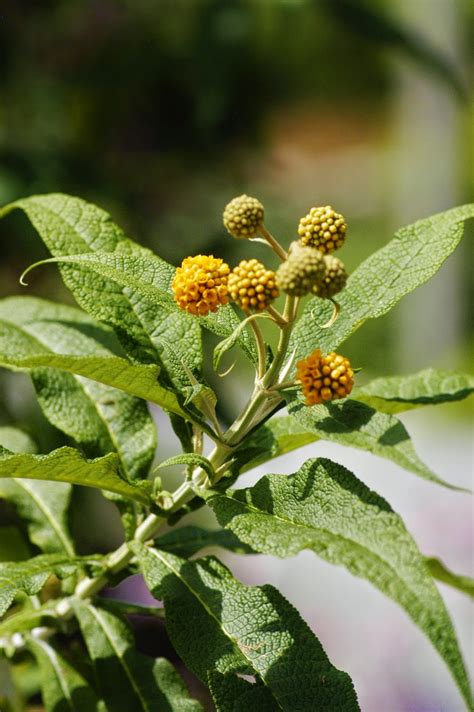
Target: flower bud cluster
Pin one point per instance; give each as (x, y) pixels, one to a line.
(302, 272)
(200, 284)
(252, 286)
(243, 216)
(323, 229)
(324, 378)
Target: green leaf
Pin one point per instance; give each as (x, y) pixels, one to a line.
(190, 459)
(44, 507)
(187, 541)
(439, 571)
(413, 256)
(13, 545)
(277, 437)
(358, 425)
(30, 576)
(228, 343)
(16, 440)
(126, 679)
(63, 687)
(69, 226)
(27, 619)
(325, 508)
(68, 465)
(234, 694)
(396, 394)
(35, 333)
(218, 624)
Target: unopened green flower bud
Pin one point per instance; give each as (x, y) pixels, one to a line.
(323, 229)
(243, 216)
(333, 280)
(301, 273)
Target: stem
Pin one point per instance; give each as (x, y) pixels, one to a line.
(277, 316)
(274, 244)
(262, 352)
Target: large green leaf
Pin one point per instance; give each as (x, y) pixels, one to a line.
(413, 256)
(68, 465)
(35, 333)
(43, 506)
(325, 508)
(126, 679)
(70, 226)
(218, 624)
(358, 425)
(396, 394)
(234, 694)
(30, 576)
(63, 688)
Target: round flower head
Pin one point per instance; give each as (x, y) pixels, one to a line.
(301, 272)
(200, 284)
(323, 229)
(252, 286)
(334, 278)
(324, 378)
(243, 216)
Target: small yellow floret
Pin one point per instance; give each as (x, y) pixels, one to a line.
(324, 378)
(200, 284)
(252, 286)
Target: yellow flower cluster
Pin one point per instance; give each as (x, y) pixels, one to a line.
(324, 378)
(323, 229)
(252, 286)
(200, 284)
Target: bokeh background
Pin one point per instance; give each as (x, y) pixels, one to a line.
(161, 111)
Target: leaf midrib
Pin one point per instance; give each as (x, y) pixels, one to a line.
(49, 516)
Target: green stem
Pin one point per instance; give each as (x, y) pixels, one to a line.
(261, 350)
(274, 244)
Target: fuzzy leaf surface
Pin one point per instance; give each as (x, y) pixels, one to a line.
(126, 679)
(30, 576)
(63, 688)
(218, 624)
(413, 256)
(396, 394)
(358, 425)
(234, 694)
(97, 406)
(68, 465)
(325, 508)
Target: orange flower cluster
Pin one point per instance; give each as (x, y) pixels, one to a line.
(324, 378)
(200, 284)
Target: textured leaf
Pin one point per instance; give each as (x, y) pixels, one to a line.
(36, 333)
(396, 394)
(358, 425)
(63, 688)
(413, 256)
(69, 226)
(68, 465)
(218, 624)
(234, 694)
(126, 679)
(30, 576)
(187, 541)
(277, 437)
(43, 506)
(439, 571)
(324, 507)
